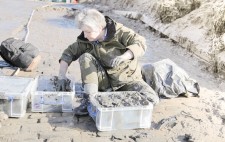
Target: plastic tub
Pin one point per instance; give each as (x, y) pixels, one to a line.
(115, 118)
(14, 93)
(46, 99)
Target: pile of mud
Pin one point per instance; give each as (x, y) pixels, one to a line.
(121, 99)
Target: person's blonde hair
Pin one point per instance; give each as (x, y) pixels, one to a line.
(90, 17)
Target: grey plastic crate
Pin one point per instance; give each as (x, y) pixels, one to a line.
(115, 118)
(45, 98)
(14, 93)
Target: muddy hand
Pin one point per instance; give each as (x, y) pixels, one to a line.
(61, 85)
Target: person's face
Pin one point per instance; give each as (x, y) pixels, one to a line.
(91, 34)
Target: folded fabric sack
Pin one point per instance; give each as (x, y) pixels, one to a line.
(18, 53)
(169, 80)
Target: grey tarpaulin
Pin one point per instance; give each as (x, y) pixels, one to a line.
(169, 80)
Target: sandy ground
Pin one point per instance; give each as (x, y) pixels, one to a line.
(196, 25)
(185, 119)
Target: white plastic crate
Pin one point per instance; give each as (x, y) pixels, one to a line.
(45, 98)
(14, 93)
(115, 118)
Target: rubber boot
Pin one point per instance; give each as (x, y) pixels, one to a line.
(82, 109)
(89, 89)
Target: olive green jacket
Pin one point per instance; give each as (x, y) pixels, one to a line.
(118, 40)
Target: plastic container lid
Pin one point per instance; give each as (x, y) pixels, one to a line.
(9, 84)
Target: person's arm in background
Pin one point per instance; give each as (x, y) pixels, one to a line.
(134, 42)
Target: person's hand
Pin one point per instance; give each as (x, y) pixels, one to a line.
(117, 61)
(61, 84)
(128, 55)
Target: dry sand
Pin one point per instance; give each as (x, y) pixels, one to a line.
(179, 119)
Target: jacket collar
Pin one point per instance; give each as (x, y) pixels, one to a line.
(111, 30)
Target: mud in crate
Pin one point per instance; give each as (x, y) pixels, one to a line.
(14, 94)
(120, 110)
(45, 98)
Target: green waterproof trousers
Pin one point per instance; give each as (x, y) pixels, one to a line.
(93, 73)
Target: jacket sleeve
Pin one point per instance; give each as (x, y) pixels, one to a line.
(72, 53)
(133, 41)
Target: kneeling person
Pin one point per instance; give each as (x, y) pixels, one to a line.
(108, 54)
